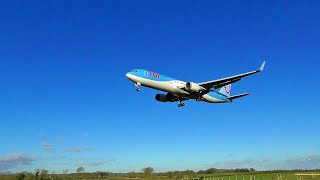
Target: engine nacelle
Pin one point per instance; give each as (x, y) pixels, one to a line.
(193, 87)
(163, 98)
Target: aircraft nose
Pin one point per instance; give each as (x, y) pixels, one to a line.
(129, 75)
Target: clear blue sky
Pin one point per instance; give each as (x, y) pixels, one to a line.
(65, 100)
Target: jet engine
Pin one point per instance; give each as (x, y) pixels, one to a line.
(163, 98)
(193, 87)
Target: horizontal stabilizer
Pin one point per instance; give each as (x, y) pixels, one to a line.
(238, 96)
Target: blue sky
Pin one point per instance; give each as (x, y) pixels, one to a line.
(66, 101)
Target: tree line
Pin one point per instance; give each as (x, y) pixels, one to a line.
(148, 172)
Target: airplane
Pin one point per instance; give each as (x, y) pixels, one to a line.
(215, 91)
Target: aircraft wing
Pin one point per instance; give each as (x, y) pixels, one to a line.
(229, 80)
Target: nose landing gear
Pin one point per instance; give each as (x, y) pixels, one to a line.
(137, 86)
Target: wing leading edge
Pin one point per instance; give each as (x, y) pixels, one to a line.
(229, 80)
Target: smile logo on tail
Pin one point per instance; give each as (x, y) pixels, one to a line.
(227, 89)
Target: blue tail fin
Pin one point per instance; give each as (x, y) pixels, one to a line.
(226, 90)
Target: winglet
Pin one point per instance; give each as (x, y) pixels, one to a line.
(262, 66)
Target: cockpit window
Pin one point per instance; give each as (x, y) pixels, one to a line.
(134, 70)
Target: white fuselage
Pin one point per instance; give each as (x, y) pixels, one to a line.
(175, 87)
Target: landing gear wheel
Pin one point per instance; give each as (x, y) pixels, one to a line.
(181, 104)
(137, 86)
(199, 99)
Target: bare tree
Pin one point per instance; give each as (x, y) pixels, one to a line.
(36, 173)
(40, 173)
(80, 169)
(44, 172)
(65, 171)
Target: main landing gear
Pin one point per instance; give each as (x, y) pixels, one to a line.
(181, 104)
(137, 86)
(199, 99)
